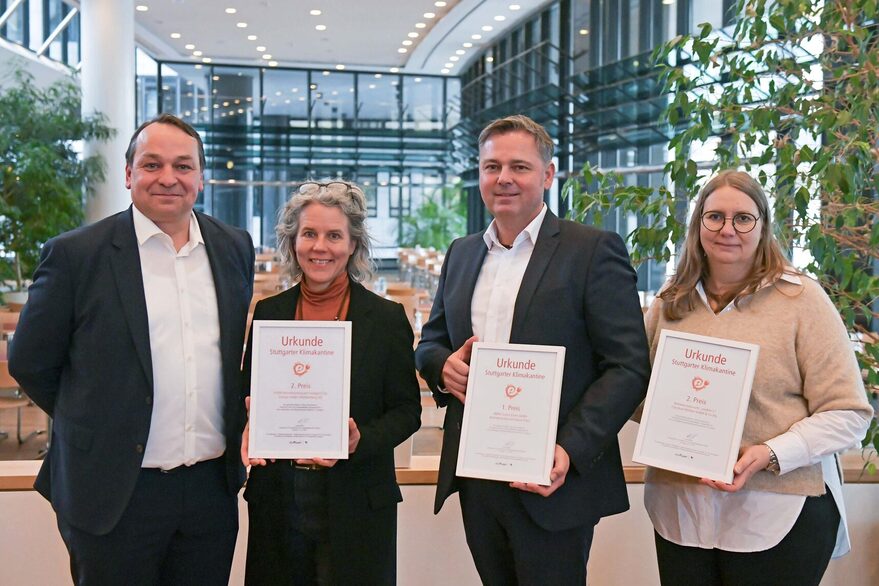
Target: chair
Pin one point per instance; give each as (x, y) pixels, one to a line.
(16, 401)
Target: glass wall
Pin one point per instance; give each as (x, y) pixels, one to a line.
(268, 129)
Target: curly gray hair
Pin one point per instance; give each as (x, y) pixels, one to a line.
(349, 198)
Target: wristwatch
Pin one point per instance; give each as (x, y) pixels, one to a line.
(773, 461)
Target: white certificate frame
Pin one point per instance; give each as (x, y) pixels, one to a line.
(267, 377)
(673, 432)
(486, 392)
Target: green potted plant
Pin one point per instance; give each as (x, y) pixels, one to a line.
(440, 218)
(791, 94)
(43, 177)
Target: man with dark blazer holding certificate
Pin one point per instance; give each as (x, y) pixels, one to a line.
(532, 278)
(131, 341)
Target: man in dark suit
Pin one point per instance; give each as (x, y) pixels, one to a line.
(131, 341)
(532, 278)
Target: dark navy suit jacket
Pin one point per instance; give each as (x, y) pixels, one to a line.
(579, 292)
(82, 352)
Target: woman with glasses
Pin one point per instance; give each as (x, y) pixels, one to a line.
(321, 521)
(782, 518)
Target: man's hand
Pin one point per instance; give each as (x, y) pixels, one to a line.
(245, 441)
(752, 460)
(560, 466)
(457, 369)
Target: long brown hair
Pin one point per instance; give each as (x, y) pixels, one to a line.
(680, 295)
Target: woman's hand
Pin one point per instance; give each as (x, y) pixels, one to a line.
(353, 440)
(245, 441)
(752, 460)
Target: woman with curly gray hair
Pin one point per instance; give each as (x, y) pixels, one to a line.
(319, 521)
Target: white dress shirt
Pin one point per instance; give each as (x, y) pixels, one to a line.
(187, 419)
(697, 515)
(494, 297)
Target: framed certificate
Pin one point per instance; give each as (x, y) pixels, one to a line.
(696, 404)
(511, 413)
(300, 387)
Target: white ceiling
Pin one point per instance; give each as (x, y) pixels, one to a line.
(359, 34)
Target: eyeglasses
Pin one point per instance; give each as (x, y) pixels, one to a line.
(334, 187)
(742, 222)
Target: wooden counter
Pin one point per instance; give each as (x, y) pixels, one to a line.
(19, 475)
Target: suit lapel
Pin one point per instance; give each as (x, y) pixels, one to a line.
(474, 255)
(362, 324)
(224, 285)
(129, 282)
(547, 242)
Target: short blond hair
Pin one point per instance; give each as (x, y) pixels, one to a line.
(545, 146)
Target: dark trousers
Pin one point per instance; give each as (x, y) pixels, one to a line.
(288, 537)
(179, 528)
(509, 548)
(800, 559)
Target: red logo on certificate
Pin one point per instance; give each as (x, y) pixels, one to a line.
(512, 390)
(300, 368)
(699, 383)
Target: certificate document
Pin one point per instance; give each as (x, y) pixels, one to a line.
(696, 403)
(511, 412)
(300, 389)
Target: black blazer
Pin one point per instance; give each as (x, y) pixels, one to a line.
(82, 353)
(362, 491)
(579, 292)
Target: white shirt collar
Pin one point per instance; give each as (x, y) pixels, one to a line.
(530, 232)
(786, 277)
(144, 228)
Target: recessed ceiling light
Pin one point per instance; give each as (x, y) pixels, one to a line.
(313, 86)
(378, 76)
(488, 28)
(429, 15)
(241, 25)
(251, 37)
(206, 60)
(315, 12)
(454, 58)
(204, 108)
(467, 45)
(278, 93)
(413, 35)
(475, 37)
(273, 63)
(321, 27)
(326, 73)
(444, 70)
(417, 80)
(237, 101)
(335, 92)
(667, 2)
(402, 50)
(340, 67)
(439, 4)
(301, 98)
(407, 42)
(394, 70)
(267, 57)
(189, 47)
(500, 18)
(198, 66)
(216, 78)
(249, 99)
(449, 65)
(460, 52)
(371, 86)
(231, 10)
(176, 35)
(514, 7)
(197, 53)
(584, 31)
(260, 48)
(286, 101)
(489, 59)
(420, 25)
(141, 8)
(295, 90)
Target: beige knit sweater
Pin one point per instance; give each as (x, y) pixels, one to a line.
(806, 365)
